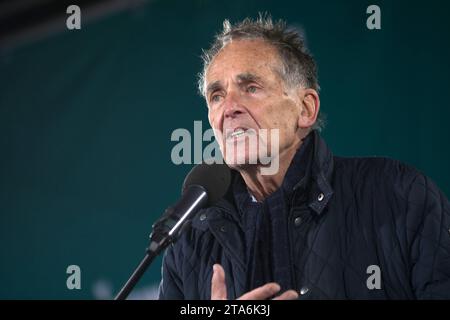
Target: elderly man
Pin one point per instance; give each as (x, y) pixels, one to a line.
(321, 226)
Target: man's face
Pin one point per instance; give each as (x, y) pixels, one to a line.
(245, 94)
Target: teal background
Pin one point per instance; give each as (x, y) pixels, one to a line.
(86, 118)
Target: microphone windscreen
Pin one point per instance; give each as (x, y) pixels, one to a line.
(215, 178)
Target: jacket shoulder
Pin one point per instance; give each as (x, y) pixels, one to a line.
(380, 170)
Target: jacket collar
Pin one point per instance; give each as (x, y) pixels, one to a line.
(317, 180)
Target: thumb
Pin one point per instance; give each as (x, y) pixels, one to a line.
(218, 285)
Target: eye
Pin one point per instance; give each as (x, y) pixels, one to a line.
(215, 98)
(252, 89)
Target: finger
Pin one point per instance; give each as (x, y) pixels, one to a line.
(218, 285)
(287, 295)
(262, 293)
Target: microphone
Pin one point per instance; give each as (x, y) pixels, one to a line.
(203, 186)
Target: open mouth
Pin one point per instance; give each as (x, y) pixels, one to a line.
(236, 133)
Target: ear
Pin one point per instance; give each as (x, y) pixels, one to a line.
(310, 104)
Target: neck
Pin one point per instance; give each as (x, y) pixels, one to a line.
(260, 185)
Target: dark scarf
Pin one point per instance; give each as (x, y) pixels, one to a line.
(265, 225)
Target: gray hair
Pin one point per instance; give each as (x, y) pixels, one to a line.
(297, 68)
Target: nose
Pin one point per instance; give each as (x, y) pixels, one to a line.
(232, 107)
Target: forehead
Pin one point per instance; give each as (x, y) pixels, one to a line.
(243, 56)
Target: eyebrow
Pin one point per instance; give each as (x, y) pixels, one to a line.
(242, 78)
(216, 85)
(248, 77)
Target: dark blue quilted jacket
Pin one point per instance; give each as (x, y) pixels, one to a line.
(351, 219)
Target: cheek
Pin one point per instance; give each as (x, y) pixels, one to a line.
(212, 119)
(283, 117)
(214, 122)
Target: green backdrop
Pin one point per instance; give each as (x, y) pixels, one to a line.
(86, 118)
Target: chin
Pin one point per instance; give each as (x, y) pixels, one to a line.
(242, 160)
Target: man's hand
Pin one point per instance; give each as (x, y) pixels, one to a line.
(219, 289)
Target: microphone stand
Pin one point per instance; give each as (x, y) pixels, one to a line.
(166, 231)
(141, 268)
(137, 274)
